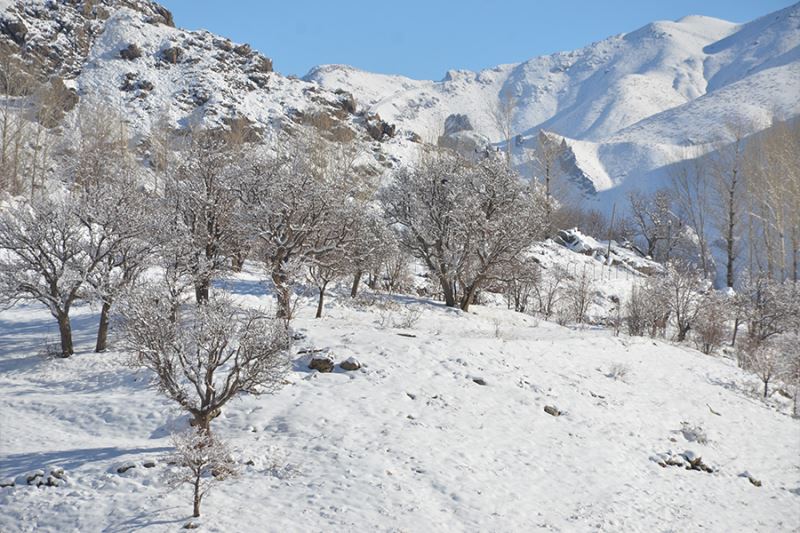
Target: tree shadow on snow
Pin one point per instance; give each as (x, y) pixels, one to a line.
(22, 463)
(147, 519)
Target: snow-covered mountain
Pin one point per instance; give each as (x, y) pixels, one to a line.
(627, 106)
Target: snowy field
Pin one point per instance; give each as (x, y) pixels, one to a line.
(442, 429)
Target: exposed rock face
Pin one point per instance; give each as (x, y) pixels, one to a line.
(455, 123)
(172, 55)
(470, 144)
(15, 29)
(379, 129)
(131, 52)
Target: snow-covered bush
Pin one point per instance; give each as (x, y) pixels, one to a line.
(202, 460)
(208, 354)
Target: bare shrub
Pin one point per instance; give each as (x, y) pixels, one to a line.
(203, 460)
(618, 371)
(709, 331)
(580, 291)
(208, 355)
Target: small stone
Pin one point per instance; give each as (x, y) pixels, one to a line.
(321, 364)
(190, 525)
(131, 52)
(350, 364)
(551, 410)
(479, 381)
(124, 468)
(149, 464)
(57, 472)
(34, 478)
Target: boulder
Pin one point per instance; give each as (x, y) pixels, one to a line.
(15, 29)
(552, 410)
(131, 52)
(172, 54)
(378, 128)
(262, 64)
(457, 122)
(479, 381)
(346, 101)
(321, 364)
(350, 364)
(242, 50)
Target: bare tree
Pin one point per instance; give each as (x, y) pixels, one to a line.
(204, 461)
(213, 353)
(124, 221)
(464, 220)
(709, 326)
(726, 166)
(203, 196)
(518, 280)
(301, 206)
(692, 194)
(44, 258)
(580, 290)
(762, 357)
(681, 285)
(550, 291)
(655, 222)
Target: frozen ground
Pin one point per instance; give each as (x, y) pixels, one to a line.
(410, 442)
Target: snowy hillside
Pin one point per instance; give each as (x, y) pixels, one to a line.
(443, 427)
(627, 106)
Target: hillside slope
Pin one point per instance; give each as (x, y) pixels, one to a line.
(627, 106)
(442, 428)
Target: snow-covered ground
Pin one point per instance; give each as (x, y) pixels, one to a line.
(443, 428)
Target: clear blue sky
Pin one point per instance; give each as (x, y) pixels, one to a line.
(423, 39)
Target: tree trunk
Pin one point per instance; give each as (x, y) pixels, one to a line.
(736, 324)
(320, 303)
(237, 261)
(448, 292)
(201, 291)
(283, 294)
(197, 496)
(469, 295)
(65, 330)
(356, 283)
(102, 329)
(766, 384)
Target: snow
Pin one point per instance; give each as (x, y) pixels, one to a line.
(627, 106)
(409, 441)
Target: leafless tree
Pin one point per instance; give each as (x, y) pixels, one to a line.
(550, 291)
(580, 291)
(464, 220)
(655, 223)
(709, 326)
(208, 356)
(518, 281)
(691, 185)
(204, 460)
(125, 224)
(300, 206)
(202, 196)
(44, 257)
(728, 184)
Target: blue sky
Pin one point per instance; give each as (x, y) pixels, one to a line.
(423, 39)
